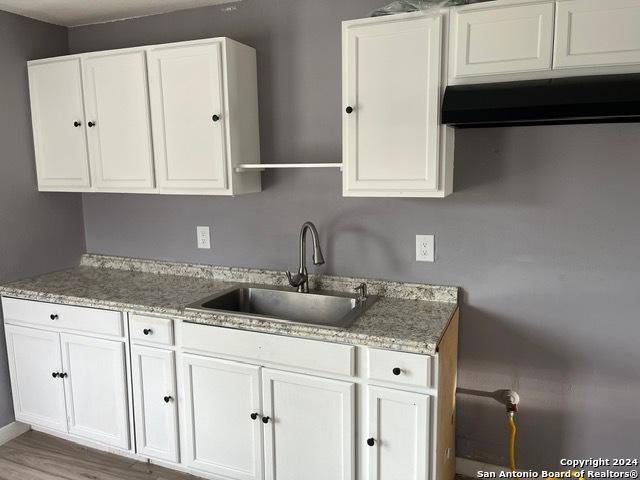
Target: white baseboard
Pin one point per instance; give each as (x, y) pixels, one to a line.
(11, 431)
(470, 468)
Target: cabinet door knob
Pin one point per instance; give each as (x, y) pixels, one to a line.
(349, 109)
(54, 316)
(215, 118)
(167, 399)
(371, 442)
(254, 416)
(396, 371)
(91, 124)
(55, 374)
(63, 375)
(265, 419)
(76, 124)
(147, 331)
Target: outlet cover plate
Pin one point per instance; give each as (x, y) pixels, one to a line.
(425, 248)
(204, 237)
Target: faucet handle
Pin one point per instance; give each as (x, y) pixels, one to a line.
(361, 290)
(297, 279)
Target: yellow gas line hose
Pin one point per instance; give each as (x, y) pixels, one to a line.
(512, 441)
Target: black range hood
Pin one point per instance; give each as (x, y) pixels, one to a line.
(601, 99)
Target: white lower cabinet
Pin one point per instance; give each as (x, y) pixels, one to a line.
(96, 391)
(34, 359)
(223, 437)
(398, 435)
(154, 396)
(310, 427)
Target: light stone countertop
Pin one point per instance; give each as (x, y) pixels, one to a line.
(407, 317)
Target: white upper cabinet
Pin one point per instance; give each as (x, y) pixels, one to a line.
(118, 121)
(392, 138)
(499, 37)
(175, 118)
(57, 115)
(309, 427)
(189, 117)
(597, 33)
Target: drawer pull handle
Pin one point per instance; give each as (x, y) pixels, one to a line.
(55, 374)
(76, 124)
(147, 331)
(91, 124)
(349, 109)
(396, 371)
(265, 419)
(371, 442)
(54, 316)
(63, 375)
(215, 118)
(254, 416)
(167, 399)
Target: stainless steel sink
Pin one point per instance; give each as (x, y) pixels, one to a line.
(334, 310)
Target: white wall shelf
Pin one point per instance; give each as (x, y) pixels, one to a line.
(261, 167)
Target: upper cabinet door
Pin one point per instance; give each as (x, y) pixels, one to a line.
(96, 389)
(189, 117)
(38, 395)
(391, 93)
(592, 33)
(118, 121)
(489, 39)
(57, 115)
(222, 437)
(397, 443)
(309, 427)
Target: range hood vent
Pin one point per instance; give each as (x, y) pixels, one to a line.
(601, 99)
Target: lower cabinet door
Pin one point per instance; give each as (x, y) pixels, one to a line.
(34, 365)
(95, 386)
(310, 427)
(398, 437)
(223, 417)
(154, 403)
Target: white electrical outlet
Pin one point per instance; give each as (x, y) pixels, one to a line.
(204, 237)
(425, 248)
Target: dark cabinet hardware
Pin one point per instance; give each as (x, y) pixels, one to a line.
(349, 109)
(54, 316)
(147, 331)
(396, 371)
(215, 118)
(55, 374)
(265, 419)
(254, 416)
(76, 124)
(63, 375)
(371, 442)
(167, 399)
(91, 124)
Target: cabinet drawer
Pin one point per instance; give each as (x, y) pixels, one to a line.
(54, 316)
(269, 348)
(591, 33)
(489, 39)
(400, 368)
(151, 330)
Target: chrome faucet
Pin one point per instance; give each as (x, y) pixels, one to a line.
(301, 279)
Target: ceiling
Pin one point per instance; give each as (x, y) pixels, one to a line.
(71, 13)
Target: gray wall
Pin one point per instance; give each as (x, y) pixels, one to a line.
(542, 232)
(39, 232)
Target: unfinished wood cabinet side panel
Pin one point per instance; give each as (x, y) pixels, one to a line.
(447, 384)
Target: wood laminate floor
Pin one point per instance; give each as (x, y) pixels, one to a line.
(36, 456)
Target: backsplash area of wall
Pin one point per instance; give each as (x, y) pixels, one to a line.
(541, 232)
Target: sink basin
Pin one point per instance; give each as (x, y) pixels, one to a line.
(319, 308)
